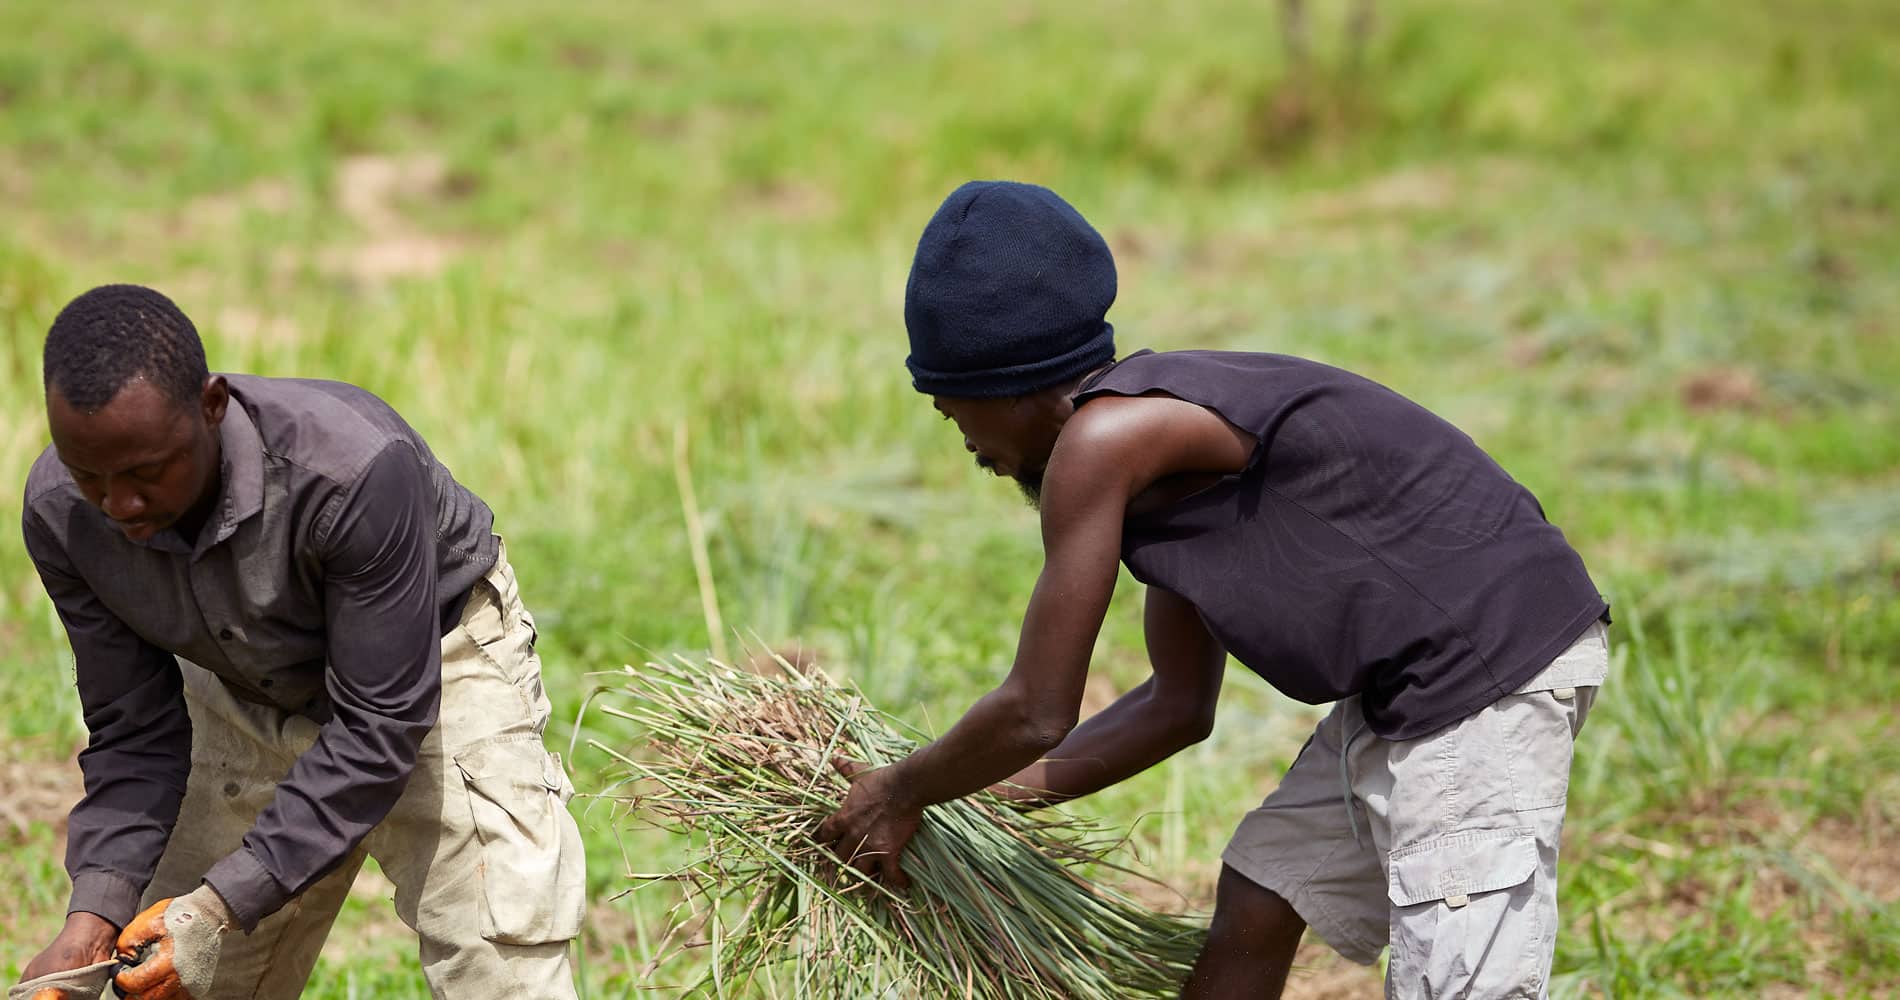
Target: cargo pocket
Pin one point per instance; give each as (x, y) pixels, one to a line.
(1539, 741)
(1464, 919)
(532, 875)
(527, 619)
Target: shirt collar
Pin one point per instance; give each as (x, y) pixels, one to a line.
(242, 473)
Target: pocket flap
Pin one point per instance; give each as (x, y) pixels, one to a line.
(1462, 864)
(518, 759)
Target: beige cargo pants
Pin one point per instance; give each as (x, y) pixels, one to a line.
(485, 857)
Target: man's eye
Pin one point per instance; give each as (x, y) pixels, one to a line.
(149, 473)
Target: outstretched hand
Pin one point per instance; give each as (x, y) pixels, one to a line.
(874, 824)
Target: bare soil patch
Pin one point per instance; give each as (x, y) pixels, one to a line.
(1408, 191)
(793, 201)
(369, 191)
(1722, 389)
(216, 213)
(37, 788)
(1863, 855)
(248, 326)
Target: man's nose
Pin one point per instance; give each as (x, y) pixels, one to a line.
(122, 504)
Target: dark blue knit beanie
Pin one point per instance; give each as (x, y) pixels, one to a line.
(1007, 294)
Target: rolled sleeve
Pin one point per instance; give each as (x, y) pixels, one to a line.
(138, 750)
(384, 682)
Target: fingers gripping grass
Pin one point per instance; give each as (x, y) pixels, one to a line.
(999, 905)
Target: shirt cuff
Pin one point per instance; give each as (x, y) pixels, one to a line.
(107, 895)
(251, 892)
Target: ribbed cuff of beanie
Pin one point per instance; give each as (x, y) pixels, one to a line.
(1016, 380)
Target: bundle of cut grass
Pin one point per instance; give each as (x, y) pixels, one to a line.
(998, 905)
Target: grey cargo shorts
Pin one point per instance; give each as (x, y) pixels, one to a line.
(1444, 847)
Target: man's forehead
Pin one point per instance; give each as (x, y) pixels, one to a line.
(139, 419)
(138, 399)
(974, 408)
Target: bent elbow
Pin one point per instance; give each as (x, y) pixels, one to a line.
(1030, 724)
(1043, 731)
(1044, 735)
(1197, 728)
(1192, 722)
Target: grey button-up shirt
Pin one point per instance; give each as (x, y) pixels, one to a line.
(339, 553)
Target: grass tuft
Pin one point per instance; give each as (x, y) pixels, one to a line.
(1001, 904)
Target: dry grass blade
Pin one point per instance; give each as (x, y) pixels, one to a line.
(1000, 905)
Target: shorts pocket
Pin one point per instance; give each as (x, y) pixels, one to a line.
(1465, 918)
(1539, 741)
(1462, 865)
(533, 880)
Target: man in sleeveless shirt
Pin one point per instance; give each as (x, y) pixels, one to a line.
(297, 643)
(1324, 531)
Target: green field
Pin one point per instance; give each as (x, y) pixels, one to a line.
(1647, 253)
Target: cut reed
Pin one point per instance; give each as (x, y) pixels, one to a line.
(1001, 903)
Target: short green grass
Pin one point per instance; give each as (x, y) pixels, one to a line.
(1644, 252)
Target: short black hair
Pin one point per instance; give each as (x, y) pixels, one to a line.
(115, 333)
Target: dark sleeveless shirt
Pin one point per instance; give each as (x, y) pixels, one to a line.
(1369, 547)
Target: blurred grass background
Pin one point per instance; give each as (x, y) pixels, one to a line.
(1643, 251)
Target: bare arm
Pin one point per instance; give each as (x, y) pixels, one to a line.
(1170, 711)
(1109, 452)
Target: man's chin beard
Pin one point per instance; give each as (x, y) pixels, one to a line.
(1031, 488)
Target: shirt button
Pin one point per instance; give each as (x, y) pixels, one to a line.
(225, 634)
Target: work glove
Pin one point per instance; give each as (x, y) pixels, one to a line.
(172, 947)
(88, 982)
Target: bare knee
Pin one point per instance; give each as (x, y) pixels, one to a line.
(1250, 943)
(1247, 913)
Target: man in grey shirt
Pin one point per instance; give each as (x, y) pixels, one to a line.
(297, 642)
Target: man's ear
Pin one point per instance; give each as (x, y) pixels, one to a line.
(212, 401)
